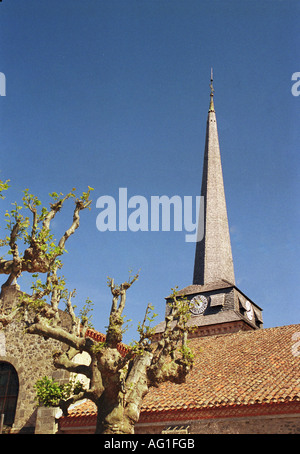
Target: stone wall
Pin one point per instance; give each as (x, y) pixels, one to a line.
(31, 356)
(279, 424)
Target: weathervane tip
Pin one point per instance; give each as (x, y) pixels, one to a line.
(211, 107)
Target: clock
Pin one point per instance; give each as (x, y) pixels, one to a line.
(198, 304)
(249, 310)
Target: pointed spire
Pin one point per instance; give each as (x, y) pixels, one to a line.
(213, 258)
(211, 106)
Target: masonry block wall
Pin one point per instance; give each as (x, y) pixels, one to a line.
(31, 356)
(279, 424)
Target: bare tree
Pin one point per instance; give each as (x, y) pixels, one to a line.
(117, 382)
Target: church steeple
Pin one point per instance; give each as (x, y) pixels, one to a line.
(213, 258)
(217, 306)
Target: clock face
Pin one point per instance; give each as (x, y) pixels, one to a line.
(249, 310)
(198, 304)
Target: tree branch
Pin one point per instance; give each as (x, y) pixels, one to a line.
(75, 320)
(55, 208)
(64, 404)
(114, 332)
(6, 319)
(167, 365)
(79, 205)
(57, 333)
(35, 259)
(61, 361)
(14, 270)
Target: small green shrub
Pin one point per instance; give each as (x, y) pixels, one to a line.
(49, 393)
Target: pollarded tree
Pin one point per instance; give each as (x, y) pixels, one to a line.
(117, 382)
(42, 253)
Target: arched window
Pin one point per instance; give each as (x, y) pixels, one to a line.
(9, 389)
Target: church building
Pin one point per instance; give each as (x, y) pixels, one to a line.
(245, 379)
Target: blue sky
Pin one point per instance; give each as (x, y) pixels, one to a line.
(115, 94)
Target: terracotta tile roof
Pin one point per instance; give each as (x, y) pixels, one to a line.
(83, 408)
(83, 413)
(243, 368)
(240, 369)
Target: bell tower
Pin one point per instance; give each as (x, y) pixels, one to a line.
(217, 306)
(213, 258)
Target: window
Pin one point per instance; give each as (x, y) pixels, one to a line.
(9, 388)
